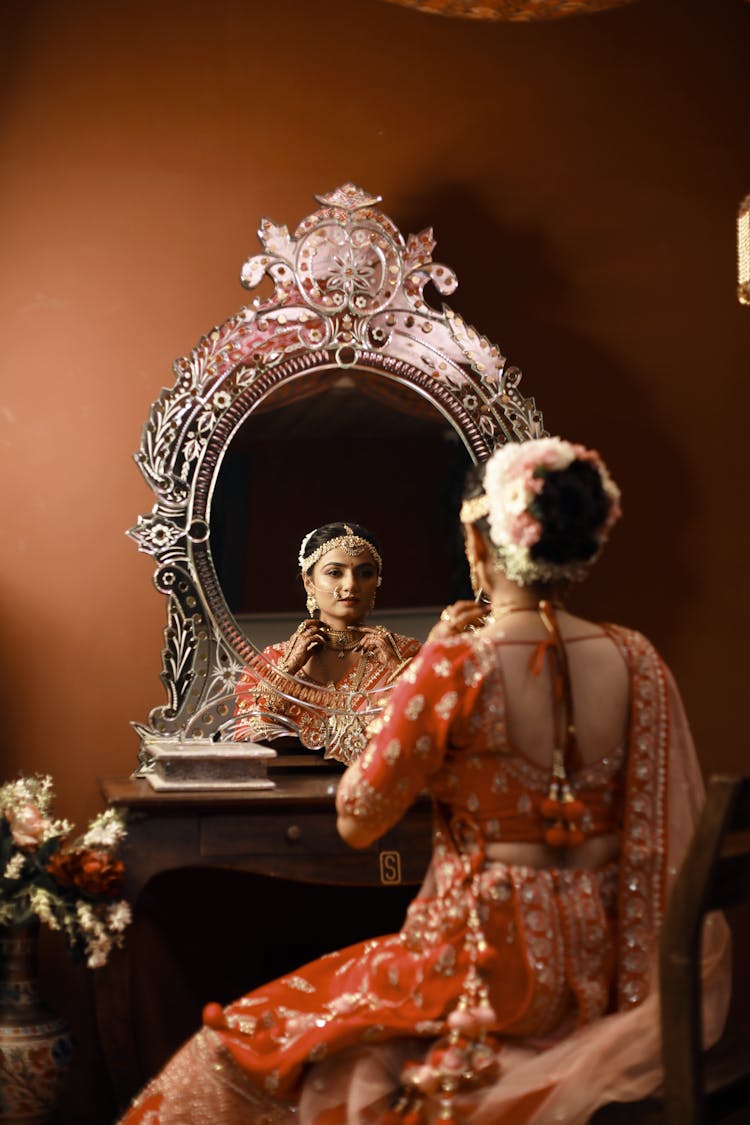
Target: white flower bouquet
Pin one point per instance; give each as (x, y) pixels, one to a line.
(72, 886)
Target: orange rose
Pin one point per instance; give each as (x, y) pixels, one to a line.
(92, 871)
(100, 874)
(62, 866)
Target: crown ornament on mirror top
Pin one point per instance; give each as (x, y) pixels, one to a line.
(345, 283)
(346, 280)
(348, 291)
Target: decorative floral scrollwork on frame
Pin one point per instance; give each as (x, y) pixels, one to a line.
(348, 291)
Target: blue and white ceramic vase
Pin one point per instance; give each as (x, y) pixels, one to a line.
(35, 1045)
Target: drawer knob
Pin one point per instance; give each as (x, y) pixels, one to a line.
(294, 832)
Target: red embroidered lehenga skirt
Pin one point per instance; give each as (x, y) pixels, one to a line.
(549, 951)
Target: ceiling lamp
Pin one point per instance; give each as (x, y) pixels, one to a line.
(512, 11)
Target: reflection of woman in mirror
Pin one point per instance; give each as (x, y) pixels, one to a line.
(334, 649)
(522, 986)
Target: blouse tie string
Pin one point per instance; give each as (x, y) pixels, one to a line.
(560, 806)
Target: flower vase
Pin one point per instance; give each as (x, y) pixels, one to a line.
(35, 1045)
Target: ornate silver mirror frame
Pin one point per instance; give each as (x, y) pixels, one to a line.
(348, 294)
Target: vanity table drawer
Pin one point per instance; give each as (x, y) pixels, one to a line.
(300, 833)
(304, 845)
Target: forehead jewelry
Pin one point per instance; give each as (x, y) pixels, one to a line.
(351, 543)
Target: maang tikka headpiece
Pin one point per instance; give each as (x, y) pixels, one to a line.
(351, 543)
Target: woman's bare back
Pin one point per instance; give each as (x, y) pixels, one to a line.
(600, 691)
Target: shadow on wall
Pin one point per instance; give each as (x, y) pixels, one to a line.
(16, 30)
(514, 291)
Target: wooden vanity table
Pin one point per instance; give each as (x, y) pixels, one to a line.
(288, 832)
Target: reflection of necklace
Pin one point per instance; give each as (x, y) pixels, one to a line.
(340, 640)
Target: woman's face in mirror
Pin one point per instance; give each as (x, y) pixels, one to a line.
(344, 587)
(360, 415)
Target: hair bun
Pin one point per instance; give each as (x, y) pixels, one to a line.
(551, 506)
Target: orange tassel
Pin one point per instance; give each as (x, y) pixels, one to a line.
(556, 836)
(564, 809)
(572, 809)
(213, 1016)
(551, 808)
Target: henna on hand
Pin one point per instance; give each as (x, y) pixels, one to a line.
(379, 643)
(304, 641)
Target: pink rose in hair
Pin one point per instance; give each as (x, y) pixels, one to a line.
(515, 475)
(27, 826)
(524, 530)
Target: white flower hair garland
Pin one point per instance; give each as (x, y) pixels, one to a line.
(513, 480)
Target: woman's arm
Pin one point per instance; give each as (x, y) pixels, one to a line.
(409, 744)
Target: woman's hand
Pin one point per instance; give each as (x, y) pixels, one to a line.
(457, 618)
(376, 641)
(355, 834)
(307, 639)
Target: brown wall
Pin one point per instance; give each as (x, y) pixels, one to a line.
(582, 177)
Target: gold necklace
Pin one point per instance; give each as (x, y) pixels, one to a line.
(336, 639)
(506, 608)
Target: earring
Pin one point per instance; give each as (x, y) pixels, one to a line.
(312, 604)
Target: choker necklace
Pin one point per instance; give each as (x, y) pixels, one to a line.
(340, 640)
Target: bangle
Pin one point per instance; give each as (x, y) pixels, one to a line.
(387, 633)
(397, 671)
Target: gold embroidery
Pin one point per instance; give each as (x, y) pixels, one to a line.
(445, 707)
(414, 707)
(392, 751)
(299, 983)
(423, 745)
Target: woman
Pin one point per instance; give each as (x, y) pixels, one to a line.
(333, 651)
(521, 987)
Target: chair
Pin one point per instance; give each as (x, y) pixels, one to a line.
(713, 1086)
(715, 875)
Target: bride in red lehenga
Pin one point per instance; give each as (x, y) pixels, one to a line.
(338, 659)
(521, 989)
